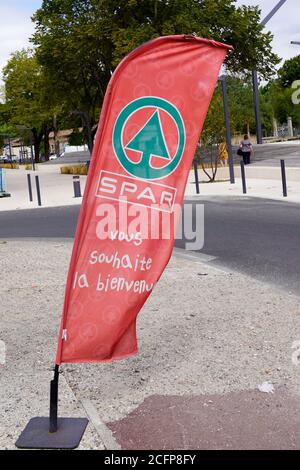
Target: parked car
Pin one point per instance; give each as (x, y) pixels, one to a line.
(4, 159)
(8, 158)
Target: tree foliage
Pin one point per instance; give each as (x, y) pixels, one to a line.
(76, 138)
(240, 101)
(289, 72)
(277, 94)
(80, 42)
(28, 101)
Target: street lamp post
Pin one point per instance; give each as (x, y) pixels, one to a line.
(255, 78)
(28, 129)
(228, 131)
(257, 107)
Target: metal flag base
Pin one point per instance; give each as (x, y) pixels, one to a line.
(52, 432)
(36, 435)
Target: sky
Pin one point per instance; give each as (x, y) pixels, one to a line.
(16, 26)
(284, 25)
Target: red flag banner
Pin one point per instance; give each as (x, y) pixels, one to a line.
(150, 124)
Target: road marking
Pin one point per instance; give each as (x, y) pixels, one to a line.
(103, 431)
(201, 257)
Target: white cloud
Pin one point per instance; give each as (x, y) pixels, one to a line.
(16, 28)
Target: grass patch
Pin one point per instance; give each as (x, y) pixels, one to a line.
(10, 166)
(74, 170)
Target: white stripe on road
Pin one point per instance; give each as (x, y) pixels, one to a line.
(202, 257)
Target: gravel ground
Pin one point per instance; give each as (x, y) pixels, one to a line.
(203, 331)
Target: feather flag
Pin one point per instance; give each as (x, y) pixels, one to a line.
(150, 124)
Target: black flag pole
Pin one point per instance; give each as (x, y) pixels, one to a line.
(54, 401)
(52, 432)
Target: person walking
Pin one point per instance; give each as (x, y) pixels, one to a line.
(247, 149)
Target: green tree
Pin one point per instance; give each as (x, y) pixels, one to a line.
(27, 98)
(240, 101)
(267, 113)
(240, 96)
(76, 138)
(214, 127)
(289, 72)
(277, 94)
(281, 99)
(5, 128)
(80, 42)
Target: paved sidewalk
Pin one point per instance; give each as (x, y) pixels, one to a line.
(259, 188)
(57, 189)
(204, 349)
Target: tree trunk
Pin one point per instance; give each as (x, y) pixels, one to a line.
(87, 129)
(94, 131)
(248, 129)
(46, 143)
(37, 139)
(36, 146)
(56, 141)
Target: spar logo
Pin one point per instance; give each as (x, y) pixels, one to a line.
(149, 138)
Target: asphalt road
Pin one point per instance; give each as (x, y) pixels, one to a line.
(259, 237)
(271, 154)
(255, 236)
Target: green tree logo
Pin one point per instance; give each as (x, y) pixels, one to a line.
(149, 140)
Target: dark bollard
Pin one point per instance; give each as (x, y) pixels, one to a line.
(76, 185)
(283, 177)
(38, 190)
(243, 177)
(195, 163)
(29, 187)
